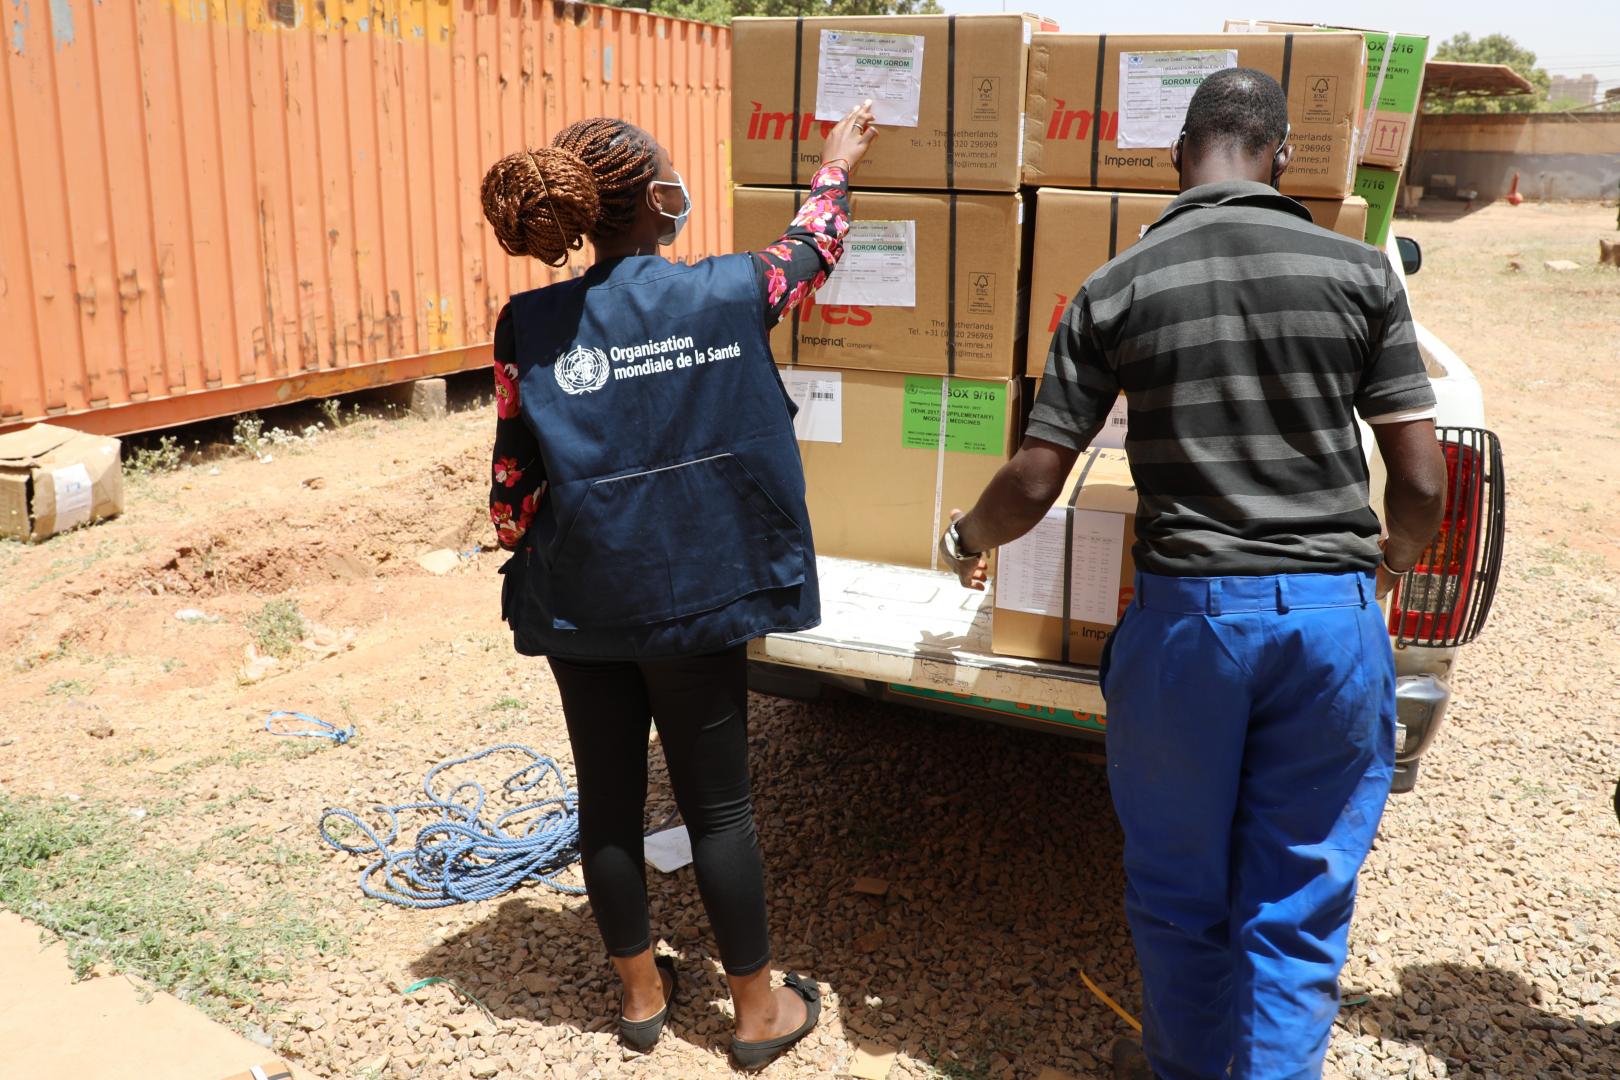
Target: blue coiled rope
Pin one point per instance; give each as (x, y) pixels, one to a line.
(459, 857)
(318, 729)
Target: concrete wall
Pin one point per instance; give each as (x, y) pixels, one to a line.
(1557, 155)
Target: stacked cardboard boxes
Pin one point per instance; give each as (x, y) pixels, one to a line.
(1078, 231)
(1105, 109)
(1103, 113)
(1394, 92)
(906, 364)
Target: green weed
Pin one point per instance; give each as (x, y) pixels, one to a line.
(336, 417)
(166, 456)
(278, 627)
(248, 434)
(72, 687)
(507, 704)
(80, 871)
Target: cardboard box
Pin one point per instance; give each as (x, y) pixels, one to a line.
(889, 304)
(870, 444)
(948, 92)
(269, 1070)
(1090, 532)
(1394, 86)
(1380, 188)
(54, 478)
(1077, 135)
(1076, 232)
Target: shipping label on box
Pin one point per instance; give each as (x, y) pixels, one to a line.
(53, 479)
(877, 492)
(965, 417)
(1077, 232)
(1394, 85)
(888, 305)
(1103, 111)
(1380, 188)
(1059, 589)
(948, 92)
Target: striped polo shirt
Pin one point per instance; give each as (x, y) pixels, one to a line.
(1246, 339)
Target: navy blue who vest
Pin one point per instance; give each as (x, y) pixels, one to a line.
(673, 521)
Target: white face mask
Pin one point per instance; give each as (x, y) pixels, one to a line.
(678, 221)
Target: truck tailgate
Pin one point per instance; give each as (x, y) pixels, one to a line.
(920, 629)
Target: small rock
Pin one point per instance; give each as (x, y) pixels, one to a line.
(100, 731)
(311, 1022)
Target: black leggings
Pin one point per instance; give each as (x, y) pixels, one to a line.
(700, 705)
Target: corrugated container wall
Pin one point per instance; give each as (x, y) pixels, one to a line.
(208, 206)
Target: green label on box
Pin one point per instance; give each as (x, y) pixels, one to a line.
(975, 418)
(1378, 187)
(1402, 76)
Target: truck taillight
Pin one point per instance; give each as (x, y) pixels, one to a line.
(1446, 597)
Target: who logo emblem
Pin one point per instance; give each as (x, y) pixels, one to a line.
(582, 370)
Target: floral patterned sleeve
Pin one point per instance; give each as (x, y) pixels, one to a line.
(797, 265)
(518, 473)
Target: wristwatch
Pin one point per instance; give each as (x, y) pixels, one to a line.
(953, 545)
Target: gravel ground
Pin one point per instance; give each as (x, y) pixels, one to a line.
(1486, 939)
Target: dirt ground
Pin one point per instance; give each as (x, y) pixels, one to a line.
(1488, 935)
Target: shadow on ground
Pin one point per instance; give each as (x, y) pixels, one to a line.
(1483, 1021)
(1002, 859)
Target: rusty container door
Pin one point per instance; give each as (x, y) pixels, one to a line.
(210, 206)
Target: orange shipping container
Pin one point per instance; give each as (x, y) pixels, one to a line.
(209, 206)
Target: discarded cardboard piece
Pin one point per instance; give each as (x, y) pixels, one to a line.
(872, 1062)
(54, 478)
(1084, 129)
(1561, 265)
(668, 850)
(929, 283)
(439, 561)
(871, 886)
(1093, 527)
(947, 92)
(130, 1022)
(268, 1070)
(1076, 232)
(887, 513)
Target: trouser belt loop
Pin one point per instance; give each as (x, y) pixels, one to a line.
(1361, 588)
(1214, 596)
(1282, 594)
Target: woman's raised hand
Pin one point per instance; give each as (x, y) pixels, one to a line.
(848, 140)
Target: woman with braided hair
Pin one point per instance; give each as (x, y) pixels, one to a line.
(648, 482)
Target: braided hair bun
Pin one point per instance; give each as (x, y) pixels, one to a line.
(545, 202)
(541, 203)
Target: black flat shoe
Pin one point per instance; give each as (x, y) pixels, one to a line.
(643, 1034)
(757, 1055)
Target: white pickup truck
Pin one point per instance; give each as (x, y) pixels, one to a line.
(917, 637)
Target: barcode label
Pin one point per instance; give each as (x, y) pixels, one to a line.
(1114, 429)
(820, 398)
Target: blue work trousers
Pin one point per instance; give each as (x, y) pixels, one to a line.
(1251, 743)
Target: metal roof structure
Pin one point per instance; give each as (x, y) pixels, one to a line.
(1454, 79)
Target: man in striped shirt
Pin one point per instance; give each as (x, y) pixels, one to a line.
(1250, 684)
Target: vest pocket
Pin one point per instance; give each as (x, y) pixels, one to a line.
(671, 542)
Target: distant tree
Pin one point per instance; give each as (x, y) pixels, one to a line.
(723, 11)
(1492, 49)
